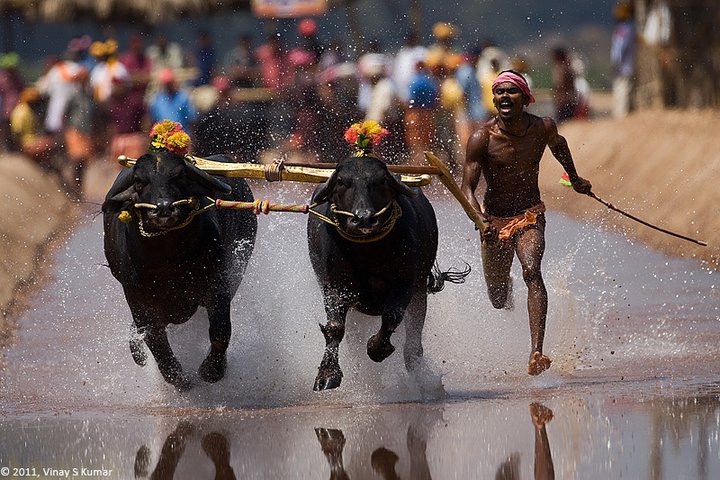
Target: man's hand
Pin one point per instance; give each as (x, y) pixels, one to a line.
(490, 235)
(581, 185)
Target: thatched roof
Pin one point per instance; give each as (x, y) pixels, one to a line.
(145, 11)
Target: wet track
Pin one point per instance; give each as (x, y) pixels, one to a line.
(633, 390)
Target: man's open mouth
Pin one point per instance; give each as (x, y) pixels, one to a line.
(505, 105)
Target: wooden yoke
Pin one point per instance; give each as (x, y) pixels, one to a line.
(296, 173)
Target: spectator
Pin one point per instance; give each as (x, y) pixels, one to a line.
(419, 116)
(404, 67)
(384, 106)
(473, 112)
(82, 132)
(338, 89)
(136, 62)
(491, 62)
(304, 103)
(127, 119)
(171, 103)
(235, 127)
(445, 34)
(11, 84)
(26, 126)
(240, 63)
(60, 84)
(563, 85)
(204, 58)
(450, 110)
(273, 68)
(307, 29)
(165, 54)
(622, 55)
(582, 88)
(82, 46)
(107, 70)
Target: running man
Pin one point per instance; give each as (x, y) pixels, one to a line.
(507, 150)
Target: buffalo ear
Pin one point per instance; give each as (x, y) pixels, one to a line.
(399, 186)
(121, 194)
(323, 191)
(206, 180)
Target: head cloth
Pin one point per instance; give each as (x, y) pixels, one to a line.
(517, 80)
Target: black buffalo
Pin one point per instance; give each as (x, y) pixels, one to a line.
(375, 253)
(172, 257)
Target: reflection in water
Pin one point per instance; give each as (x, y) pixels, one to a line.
(383, 460)
(544, 468)
(214, 444)
(541, 415)
(591, 437)
(332, 442)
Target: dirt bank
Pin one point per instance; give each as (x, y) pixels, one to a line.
(35, 212)
(660, 166)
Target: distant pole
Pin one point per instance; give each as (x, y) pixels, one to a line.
(415, 15)
(354, 23)
(8, 37)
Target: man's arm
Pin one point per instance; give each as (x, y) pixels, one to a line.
(560, 150)
(476, 149)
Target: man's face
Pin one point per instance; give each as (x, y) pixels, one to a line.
(508, 99)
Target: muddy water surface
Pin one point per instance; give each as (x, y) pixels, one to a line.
(633, 391)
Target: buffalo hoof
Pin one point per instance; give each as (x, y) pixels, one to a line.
(327, 381)
(212, 368)
(138, 352)
(379, 348)
(179, 380)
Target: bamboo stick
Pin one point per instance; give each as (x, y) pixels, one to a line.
(447, 179)
(289, 173)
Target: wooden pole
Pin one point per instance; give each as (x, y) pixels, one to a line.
(447, 179)
(290, 173)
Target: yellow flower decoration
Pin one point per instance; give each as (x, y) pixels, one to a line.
(365, 135)
(125, 216)
(169, 135)
(178, 141)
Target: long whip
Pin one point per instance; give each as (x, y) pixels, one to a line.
(613, 207)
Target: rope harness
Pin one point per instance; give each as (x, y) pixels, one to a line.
(384, 230)
(265, 207)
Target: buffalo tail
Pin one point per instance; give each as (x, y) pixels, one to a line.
(437, 278)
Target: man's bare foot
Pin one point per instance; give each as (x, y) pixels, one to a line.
(540, 414)
(538, 363)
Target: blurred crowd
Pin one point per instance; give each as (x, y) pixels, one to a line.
(98, 99)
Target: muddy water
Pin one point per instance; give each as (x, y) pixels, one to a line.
(633, 391)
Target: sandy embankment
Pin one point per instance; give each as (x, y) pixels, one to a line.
(660, 166)
(663, 167)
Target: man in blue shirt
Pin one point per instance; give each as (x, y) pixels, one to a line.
(622, 54)
(171, 103)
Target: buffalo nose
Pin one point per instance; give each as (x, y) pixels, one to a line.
(364, 218)
(164, 208)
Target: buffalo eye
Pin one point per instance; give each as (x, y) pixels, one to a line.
(138, 184)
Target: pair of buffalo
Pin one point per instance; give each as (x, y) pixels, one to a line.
(171, 256)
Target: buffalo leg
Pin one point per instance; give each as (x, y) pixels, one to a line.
(329, 374)
(212, 368)
(136, 346)
(414, 324)
(379, 346)
(169, 366)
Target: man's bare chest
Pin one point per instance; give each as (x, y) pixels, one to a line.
(506, 152)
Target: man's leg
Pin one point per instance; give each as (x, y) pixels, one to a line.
(530, 245)
(497, 259)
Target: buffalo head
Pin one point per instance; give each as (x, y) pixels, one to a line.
(162, 190)
(360, 192)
